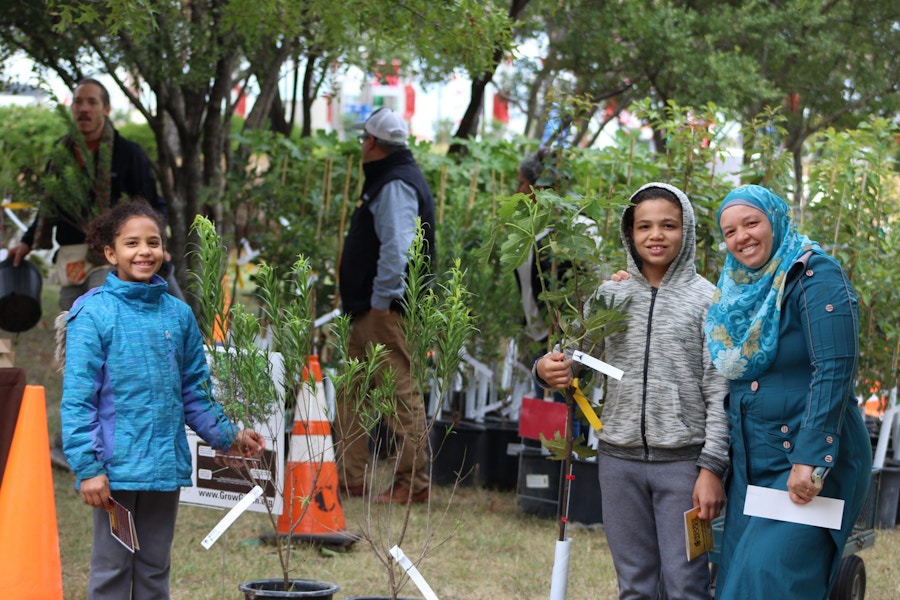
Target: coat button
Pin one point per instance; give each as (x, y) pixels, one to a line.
(829, 439)
(754, 386)
(809, 272)
(829, 458)
(829, 307)
(786, 445)
(784, 429)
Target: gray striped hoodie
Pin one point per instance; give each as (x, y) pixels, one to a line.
(669, 404)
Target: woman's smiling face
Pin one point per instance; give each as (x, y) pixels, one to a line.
(748, 235)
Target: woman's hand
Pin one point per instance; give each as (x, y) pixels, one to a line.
(95, 492)
(555, 369)
(801, 488)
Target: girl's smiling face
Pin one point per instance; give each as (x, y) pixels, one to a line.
(137, 253)
(748, 235)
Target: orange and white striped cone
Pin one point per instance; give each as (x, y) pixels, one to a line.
(312, 508)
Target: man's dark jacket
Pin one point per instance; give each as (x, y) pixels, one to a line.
(131, 176)
(359, 259)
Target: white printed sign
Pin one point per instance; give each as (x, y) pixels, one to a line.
(220, 486)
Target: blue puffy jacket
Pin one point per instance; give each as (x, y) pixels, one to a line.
(135, 373)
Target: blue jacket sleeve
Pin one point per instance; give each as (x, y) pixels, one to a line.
(80, 409)
(201, 412)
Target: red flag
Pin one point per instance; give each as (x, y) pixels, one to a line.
(410, 108)
(501, 107)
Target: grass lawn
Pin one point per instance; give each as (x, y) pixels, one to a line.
(484, 545)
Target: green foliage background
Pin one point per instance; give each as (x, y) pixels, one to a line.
(295, 196)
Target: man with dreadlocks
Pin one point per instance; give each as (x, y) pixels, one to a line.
(89, 172)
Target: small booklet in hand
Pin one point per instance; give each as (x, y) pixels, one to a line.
(121, 526)
(698, 534)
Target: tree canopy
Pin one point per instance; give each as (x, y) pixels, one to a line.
(179, 62)
(819, 64)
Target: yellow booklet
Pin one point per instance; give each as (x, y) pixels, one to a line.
(698, 534)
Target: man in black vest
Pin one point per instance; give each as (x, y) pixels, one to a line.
(372, 284)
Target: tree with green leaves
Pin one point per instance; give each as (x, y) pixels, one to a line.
(825, 63)
(178, 64)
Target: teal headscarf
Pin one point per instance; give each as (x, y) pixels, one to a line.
(743, 321)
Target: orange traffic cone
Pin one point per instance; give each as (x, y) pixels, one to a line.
(29, 540)
(312, 508)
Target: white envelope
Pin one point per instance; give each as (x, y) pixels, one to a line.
(776, 504)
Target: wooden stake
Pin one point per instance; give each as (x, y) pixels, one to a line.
(326, 196)
(340, 252)
(442, 194)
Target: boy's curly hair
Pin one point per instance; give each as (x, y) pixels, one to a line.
(102, 231)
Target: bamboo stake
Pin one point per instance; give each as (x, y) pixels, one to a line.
(859, 212)
(442, 194)
(630, 163)
(347, 180)
(837, 225)
(493, 191)
(340, 252)
(359, 179)
(473, 186)
(306, 185)
(894, 361)
(326, 194)
(494, 198)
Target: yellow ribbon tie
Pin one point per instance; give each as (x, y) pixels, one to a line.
(586, 407)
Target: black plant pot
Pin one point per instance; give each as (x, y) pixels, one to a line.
(475, 454)
(20, 296)
(264, 589)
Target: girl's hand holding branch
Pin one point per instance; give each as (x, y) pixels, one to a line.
(247, 444)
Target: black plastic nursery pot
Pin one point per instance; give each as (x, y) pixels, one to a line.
(538, 484)
(501, 461)
(888, 513)
(264, 589)
(20, 296)
(468, 454)
(539, 487)
(459, 450)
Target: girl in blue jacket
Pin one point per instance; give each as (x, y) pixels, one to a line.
(135, 374)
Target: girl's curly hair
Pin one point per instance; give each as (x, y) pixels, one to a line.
(103, 230)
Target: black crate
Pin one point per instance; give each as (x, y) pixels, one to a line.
(539, 490)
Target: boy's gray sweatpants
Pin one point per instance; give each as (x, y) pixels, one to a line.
(643, 507)
(116, 573)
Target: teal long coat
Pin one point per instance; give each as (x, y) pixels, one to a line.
(801, 410)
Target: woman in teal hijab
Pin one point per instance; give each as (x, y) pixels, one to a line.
(783, 329)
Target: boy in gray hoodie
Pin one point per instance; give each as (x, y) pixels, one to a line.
(663, 448)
